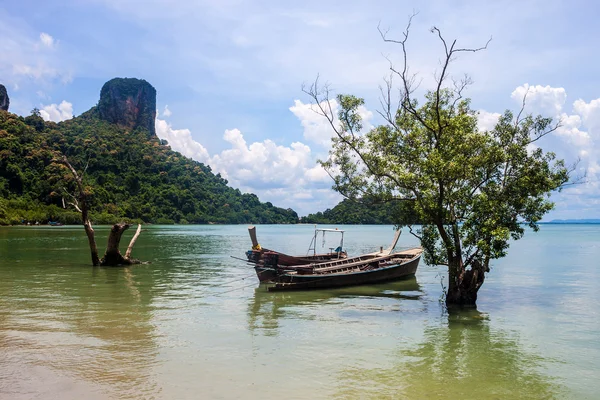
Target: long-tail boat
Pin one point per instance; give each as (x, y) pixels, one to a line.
(380, 266)
(360, 270)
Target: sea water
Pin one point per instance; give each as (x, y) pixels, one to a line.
(195, 323)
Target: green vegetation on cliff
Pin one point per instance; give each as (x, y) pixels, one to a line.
(131, 175)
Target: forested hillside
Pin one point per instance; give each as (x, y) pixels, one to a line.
(131, 174)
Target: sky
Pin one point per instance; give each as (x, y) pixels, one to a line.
(229, 75)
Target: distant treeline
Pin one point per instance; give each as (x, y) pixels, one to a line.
(364, 212)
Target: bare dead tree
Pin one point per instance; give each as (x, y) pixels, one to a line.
(112, 256)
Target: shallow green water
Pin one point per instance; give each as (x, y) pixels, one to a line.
(194, 323)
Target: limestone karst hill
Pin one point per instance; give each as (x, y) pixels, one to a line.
(4, 100)
(131, 173)
(129, 103)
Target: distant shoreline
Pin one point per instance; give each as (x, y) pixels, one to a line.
(573, 221)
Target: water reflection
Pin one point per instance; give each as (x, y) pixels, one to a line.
(462, 358)
(76, 330)
(68, 330)
(266, 309)
(119, 316)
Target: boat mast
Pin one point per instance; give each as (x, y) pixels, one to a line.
(313, 242)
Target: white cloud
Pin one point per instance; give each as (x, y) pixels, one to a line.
(317, 174)
(47, 40)
(167, 112)
(287, 176)
(262, 165)
(577, 137)
(181, 140)
(57, 112)
(545, 100)
(575, 130)
(486, 121)
(590, 115)
(317, 128)
(569, 130)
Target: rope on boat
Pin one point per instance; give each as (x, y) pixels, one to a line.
(236, 288)
(233, 281)
(236, 280)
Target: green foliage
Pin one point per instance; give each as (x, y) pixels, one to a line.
(35, 120)
(471, 189)
(130, 176)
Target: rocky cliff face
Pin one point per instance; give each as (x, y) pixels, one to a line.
(128, 102)
(4, 100)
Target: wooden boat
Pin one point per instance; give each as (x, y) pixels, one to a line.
(360, 270)
(257, 254)
(377, 267)
(270, 265)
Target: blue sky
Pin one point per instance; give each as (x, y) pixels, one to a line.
(229, 74)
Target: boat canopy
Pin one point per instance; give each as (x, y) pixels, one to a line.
(313, 243)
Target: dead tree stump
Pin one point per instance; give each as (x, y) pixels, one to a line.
(113, 254)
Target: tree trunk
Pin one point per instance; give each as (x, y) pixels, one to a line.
(464, 284)
(113, 255)
(89, 231)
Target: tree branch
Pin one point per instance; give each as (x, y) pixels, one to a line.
(132, 242)
(322, 96)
